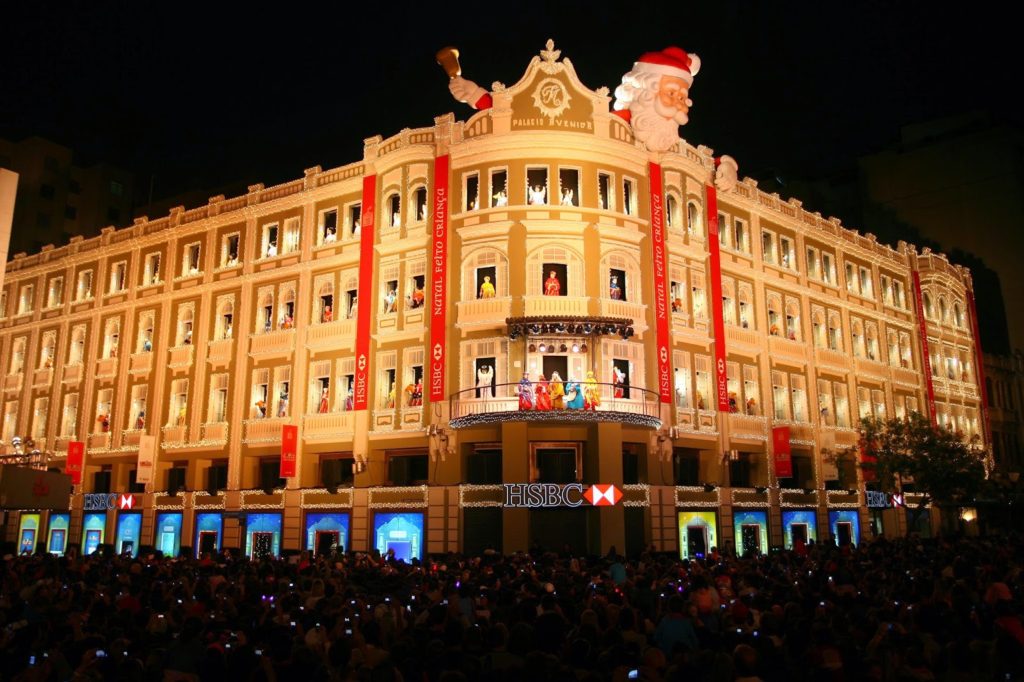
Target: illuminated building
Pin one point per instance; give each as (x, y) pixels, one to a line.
(389, 308)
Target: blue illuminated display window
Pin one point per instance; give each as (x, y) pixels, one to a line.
(209, 528)
(799, 524)
(844, 525)
(329, 531)
(93, 528)
(129, 532)
(262, 535)
(401, 534)
(58, 538)
(167, 536)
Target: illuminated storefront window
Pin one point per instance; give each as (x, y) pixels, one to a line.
(167, 537)
(844, 526)
(799, 525)
(698, 533)
(129, 531)
(327, 532)
(751, 531)
(28, 530)
(402, 534)
(57, 542)
(93, 529)
(262, 535)
(208, 533)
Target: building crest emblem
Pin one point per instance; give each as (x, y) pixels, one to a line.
(551, 98)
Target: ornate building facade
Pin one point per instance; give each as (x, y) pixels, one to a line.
(407, 314)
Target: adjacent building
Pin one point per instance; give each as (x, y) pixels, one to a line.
(399, 312)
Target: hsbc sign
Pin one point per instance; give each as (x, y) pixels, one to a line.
(539, 495)
(105, 501)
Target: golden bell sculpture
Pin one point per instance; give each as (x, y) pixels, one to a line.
(448, 58)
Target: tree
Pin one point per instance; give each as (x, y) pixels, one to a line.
(945, 470)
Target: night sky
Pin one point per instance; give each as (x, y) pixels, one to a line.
(205, 97)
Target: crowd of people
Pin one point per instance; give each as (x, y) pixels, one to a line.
(946, 609)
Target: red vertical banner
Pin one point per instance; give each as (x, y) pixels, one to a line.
(661, 311)
(289, 448)
(979, 370)
(926, 358)
(76, 459)
(715, 275)
(783, 452)
(439, 280)
(367, 301)
(866, 457)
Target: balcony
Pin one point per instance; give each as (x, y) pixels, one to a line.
(278, 342)
(214, 433)
(42, 377)
(844, 438)
(561, 306)
(73, 373)
(703, 422)
(130, 438)
(174, 436)
(328, 427)
(747, 427)
(483, 313)
(905, 376)
(336, 334)
(98, 441)
(825, 357)
(787, 348)
(181, 356)
(13, 382)
(738, 336)
(641, 408)
(140, 363)
(633, 311)
(798, 431)
(266, 430)
(219, 351)
(872, 368)
(106, 367)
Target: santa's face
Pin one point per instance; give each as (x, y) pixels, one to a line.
(673, 99)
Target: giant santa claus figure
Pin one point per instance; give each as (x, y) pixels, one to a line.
(653, 98)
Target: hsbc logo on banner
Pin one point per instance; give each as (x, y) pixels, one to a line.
(540, 495)
(126, 502)
(105, 501)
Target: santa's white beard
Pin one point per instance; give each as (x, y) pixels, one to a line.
(652, 128)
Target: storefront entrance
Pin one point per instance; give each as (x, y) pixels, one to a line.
(555, 529)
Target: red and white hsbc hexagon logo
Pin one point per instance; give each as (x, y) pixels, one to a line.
(603, 495)
(536, 495)
(126, 502)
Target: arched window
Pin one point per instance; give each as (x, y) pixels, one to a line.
(18, 356)
(893, 348)
(929, 309)
(47, 350)
(76, 353)
(693, 218)
(792, 321)
(265, 312)
(394, 206)
(835, 337)
(943, 317)
(857, 337)
(485, 274)
(818, 329)
(745, 298)
(728, 302)
(958, 315)
(324, 303)
(774, 316)
(144, 341)
(111, 339)
(287, 320)
(555, 271)
(185, 323)
(672, 218)
(871, 333)
(419, 199)
(225, 319)
(623, 277)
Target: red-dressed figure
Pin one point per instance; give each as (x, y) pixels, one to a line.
(552, 287)
(543, 400)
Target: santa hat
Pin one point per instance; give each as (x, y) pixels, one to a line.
(672, 61)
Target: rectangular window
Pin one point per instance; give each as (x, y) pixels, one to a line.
(813, 268)
(826, 409)
(119, 277)
(828, 270)
(328, 232)
(681, 380)
(741, 236)
(355, 215)
(10, 420)
(394, 207)
(878, 404)
(83, 291)
(751, 391)
(229, 250)
(851, 279)
(723, 231)
(839, 393)
(69, 416)
(151, 273)
(292, 233)
(866, 288)
(863, 402)
(604, 191)
(282, 390)
(537, 186)
(768, 247)
(702, 365)
(780, 395)
(798, 389)
(27, 300)
(408, 469)
(260, 392)
(3, 304)
(569, 187)
(55, 297)
(419, 198)
(886, 283)
(190, 263)
(178, 414)
(628, 196)
(499, 188)
(787, 254)
(899, 295)
(138, 414)
(472, 190)
(40, 412)
(103, 410)
(218, 408)
(271, 240)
